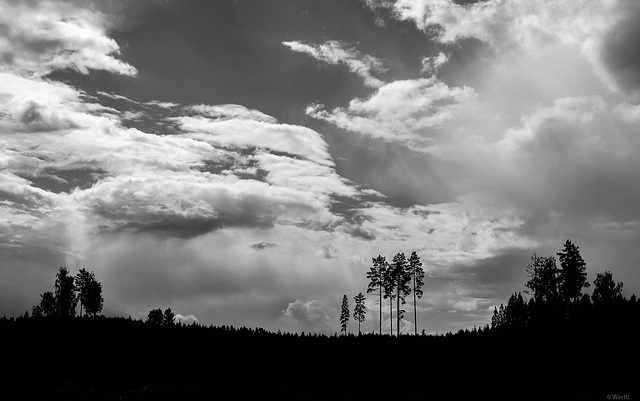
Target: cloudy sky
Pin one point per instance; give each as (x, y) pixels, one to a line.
(241, 162)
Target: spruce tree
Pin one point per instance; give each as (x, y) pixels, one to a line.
(359, 310)
(572, 275)
(344, 314)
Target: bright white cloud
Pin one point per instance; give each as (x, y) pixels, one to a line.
(312, 316)
(520, 25)
(41, 36)
(334, 52)
(403, 111)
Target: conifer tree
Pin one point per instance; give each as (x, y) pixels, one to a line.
(417, 275)
(572, 275)
(401, 276)
(359, 311)
(376, 281)
(388, 288)
(344, 314)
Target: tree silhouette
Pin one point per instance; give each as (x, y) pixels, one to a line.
(65, 293)
(543, 279)
(401, 276)
(155, 317)
(388, 288)
(572, 275)
(48, 306)
(376, 281)
(359, 310)
(417, 275)
(344, 314)
(89, 292)
(168, 317)
(605, 290)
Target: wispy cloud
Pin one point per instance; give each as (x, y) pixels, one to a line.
(335, 53)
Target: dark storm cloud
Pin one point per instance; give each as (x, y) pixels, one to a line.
(495, 277)
(620, 52)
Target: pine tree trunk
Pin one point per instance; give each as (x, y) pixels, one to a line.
(391, 314)
(398, 311)
(380, 307)
(415, 312)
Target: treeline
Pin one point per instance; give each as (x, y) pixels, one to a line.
(557, 295)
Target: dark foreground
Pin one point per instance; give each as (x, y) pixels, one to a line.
(104, 359)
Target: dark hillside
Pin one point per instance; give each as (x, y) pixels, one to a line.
(116, 358)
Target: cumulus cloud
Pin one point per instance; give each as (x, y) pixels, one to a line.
(404, 111)
(312, 316)
(188, 319)
(604, 31)
(334, 52)
(41, 36)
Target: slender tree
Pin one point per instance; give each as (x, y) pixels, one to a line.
(82, 284)
(344, 314)
(417, 276)
(401, 276)
(359, 310)
(388, 288)
(376, 282)
(65, 293)
(572, 275)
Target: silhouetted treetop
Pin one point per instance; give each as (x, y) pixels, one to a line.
(605, 290)
(572, 276)
(543, 282)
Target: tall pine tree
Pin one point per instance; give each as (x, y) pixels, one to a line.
(376, 281)
(359, 310)
(344, 314)
(401, 277)
(388, 288)
(417, 276)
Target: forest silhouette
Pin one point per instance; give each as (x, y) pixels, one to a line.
(561, 343)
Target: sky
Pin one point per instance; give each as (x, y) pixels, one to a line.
(242, 162)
